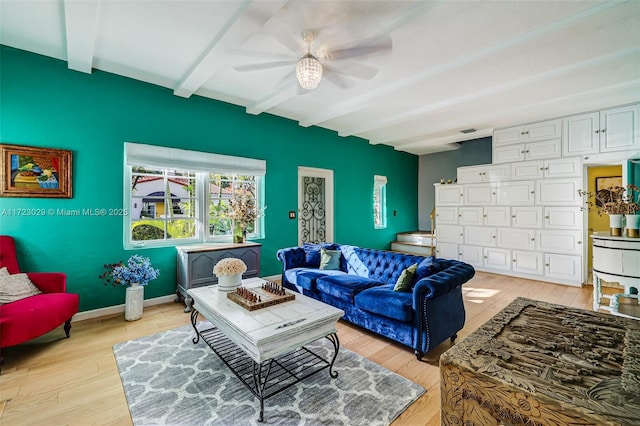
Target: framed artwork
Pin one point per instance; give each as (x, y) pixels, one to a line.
(35, 172)
(602, 183)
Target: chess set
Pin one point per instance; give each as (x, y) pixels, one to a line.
(268, 294)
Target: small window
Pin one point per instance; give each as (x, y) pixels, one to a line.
(379, 202)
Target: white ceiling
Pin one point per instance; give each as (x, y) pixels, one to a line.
(453, 65)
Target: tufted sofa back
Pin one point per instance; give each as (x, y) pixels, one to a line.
(385, 266)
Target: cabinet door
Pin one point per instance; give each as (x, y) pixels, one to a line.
(497, 216)
(448, 195)
(509, 136)
(563, 167)
(471, 216)
(580, 135)
(544, 130)
(497, 258)
(447, 250)
(497, 173)
(516, 238)
(520, 193)
(563, 267)
(449, 233)
(541, 150)
(619, 128)
(479, 194)
(558, 192)
(527, 170)
(470, 174)
(560, 241)
(527, 262)
(447, 216)
(559, 217)
(526, 217)
(508, 154)
(471, 255)
(480, 235)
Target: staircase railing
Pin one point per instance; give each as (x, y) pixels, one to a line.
(432, 216)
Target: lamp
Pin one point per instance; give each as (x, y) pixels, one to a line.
(309, 72)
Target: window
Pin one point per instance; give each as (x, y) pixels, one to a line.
(379, 202)
(176, 196)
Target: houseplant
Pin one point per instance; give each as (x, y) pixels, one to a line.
(613, 202)
(229, 272)
(135, 274)
(243, 212)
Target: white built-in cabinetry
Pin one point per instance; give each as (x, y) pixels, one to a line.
(521, 215)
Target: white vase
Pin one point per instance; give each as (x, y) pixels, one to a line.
(633, 225)
(227, 283)
(134, 302)
(615, 224)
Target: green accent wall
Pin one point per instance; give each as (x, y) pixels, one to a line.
(44, 104)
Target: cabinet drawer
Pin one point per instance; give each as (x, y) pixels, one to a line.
(449, 233)
(521, 239)
(447, 215)
(470, 216)
(559, 241)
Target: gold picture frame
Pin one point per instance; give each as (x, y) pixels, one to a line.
(35, 172)
(603, 183)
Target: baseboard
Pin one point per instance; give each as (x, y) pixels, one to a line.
(110, 310)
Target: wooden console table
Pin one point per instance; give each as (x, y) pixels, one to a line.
(615, 259)
(195, 265)
(537, 363)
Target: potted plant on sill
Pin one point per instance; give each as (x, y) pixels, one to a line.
(135, 274)
(243, 212)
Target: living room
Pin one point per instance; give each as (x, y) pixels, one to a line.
(93, 114)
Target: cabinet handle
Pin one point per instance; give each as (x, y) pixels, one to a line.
(527, 151)
(493, 236)
(546, 264)
(533, 192)
(461, 194)
(579, 242)
(513, 216)
(459, 254)
(541, 168)
(586, 158)
(459, 215)
(522, 133)
(485, 257)
(514, 260)
(526, 133)
(597, 131)
(533, 239)
(546, 217)
(485, 215)
(493, 193)
(522, 152)
(603, 130)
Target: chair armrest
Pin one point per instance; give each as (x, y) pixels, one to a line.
(442, 282)
(49, 282)
(291, 257)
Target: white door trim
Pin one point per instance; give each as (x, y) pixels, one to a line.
(327, 174)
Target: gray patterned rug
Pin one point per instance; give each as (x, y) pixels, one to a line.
(170, 381)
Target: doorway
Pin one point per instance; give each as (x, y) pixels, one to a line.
(315, 205)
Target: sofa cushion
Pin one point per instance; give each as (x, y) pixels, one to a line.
(16, 287)
(292, 275)
(329, 259)
(345, 286)
(386, 302)
(405, 280)
(307, 279)
(427, 267)
(312, 253)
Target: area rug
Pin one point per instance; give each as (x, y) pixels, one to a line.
(168, 380)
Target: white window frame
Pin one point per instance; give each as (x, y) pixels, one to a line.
(380, 192)
(202, 163)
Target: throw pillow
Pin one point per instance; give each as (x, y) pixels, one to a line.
(15, 287)
(405, 280)
(312, 255)
(330, 259)
(427, 267)
(4, 271)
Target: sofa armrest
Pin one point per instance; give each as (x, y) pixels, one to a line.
(49, 282)
(291, 257)
(442, 282)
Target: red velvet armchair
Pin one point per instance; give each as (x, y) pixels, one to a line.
(34, 316)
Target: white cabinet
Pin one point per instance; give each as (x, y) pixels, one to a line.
(478, 174)
(447, 215)
(446, 250)
(558, 192)
(563, 267)
(497, 258)
(561, 217)
(449, 234)
(609, 130)
(471, 255)
(527, 170)
(526, 217)
(497, 216)
(563, 167)
(527, 262)
(528, 133)
(560, 241)
(531, 151)
(448, 195)
(480, 235)
(516, 238)
(517, 193)
(479, 194)
(471, 216)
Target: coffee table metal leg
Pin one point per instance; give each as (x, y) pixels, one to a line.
(259, 384)
(194, 320)
(333, 338)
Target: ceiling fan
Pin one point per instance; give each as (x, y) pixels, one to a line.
(312, 65)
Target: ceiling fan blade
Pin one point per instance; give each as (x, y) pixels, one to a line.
(354, 69)
(363, 48)
(258, 54)
(264, 66)
(336, 77)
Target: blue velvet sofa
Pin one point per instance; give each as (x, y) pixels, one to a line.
(363, 287)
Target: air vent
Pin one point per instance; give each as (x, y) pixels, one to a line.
(468, 131)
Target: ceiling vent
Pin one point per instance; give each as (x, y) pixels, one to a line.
(468, 131)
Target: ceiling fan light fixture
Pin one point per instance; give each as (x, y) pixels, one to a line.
(309, 72)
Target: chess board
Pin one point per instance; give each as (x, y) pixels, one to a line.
(266, 298)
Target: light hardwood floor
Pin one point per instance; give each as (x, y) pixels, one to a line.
(58, 381)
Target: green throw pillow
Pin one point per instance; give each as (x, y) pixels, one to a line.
(330, 259)
(406, 278)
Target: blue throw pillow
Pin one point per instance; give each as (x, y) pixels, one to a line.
(330, 259)
(312, 255)
(427, 267)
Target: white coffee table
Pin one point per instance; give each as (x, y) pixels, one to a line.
(265, 348)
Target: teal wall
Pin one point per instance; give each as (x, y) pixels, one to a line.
(44, 104)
